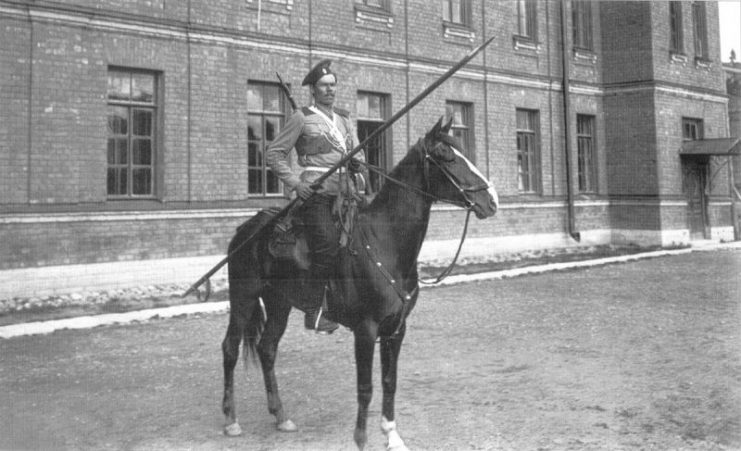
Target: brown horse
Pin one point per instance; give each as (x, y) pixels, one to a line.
(377, 281)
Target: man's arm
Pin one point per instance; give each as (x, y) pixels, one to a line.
(276, 154)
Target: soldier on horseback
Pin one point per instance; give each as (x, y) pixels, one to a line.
(322, 135)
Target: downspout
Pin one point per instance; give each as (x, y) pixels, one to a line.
(486, 90)
(567, 124)
(189, 106)
(408, 69)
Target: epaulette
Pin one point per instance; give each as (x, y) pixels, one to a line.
(342, 112)
(307, 111)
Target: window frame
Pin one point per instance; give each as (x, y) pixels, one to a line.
(465, 12)
(692, 124)
(384, 140)
(465, 130)
(676, 28)
(530, 174)
(586, 145)
(581, 24)
(527, 18)
(132, 107)
(280, 114)
(700, 31)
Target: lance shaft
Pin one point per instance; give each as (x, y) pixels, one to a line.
(346, 158)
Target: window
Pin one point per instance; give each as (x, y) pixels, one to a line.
(457, 11)
(266, 114)
(692, 129)
(527, 19)
(381, 4)
(132, 115)
(676, 44)
(528, 151)
(587, 168)
(700, 30)
(372, 112)
(582, 24)
(462, 127)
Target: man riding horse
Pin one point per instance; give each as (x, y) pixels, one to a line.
(322, 135)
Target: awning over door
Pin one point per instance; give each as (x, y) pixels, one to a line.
(717, 146)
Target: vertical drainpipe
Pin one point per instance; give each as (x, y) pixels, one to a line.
(29, 119)
(567, 124)
(486, 90)
(408, 68)
(190, 95)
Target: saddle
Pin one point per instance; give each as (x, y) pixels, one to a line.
(287, 240)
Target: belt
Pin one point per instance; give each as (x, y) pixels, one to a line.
(320, 169)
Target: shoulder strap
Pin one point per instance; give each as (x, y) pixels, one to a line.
(307, 111)
(342, 112)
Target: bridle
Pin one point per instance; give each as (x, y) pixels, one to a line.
(464, 191)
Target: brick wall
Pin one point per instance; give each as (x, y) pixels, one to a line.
(205, 57)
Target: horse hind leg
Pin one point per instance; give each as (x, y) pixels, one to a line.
(242, 317)
(267, 348)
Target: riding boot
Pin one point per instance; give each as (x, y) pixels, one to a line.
(314, 319)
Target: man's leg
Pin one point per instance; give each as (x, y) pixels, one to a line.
(323, 240)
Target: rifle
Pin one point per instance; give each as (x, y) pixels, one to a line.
(318, 182)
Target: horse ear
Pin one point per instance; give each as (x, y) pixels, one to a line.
(446, 128)
(436, 129)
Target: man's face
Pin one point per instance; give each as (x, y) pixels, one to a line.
(325, 89)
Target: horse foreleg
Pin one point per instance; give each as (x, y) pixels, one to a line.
(365, 342)
(390, 348)
(230, 350)
(267, 350)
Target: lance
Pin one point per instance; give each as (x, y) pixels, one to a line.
(342, 162)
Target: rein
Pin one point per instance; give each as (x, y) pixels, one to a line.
(467, 204)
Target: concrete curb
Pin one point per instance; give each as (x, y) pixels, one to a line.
(86, 322)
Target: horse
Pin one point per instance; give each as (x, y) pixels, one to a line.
(377, 282)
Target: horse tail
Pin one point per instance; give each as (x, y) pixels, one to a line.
(253, 333)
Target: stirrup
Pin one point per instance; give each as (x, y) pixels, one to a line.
(321, 325)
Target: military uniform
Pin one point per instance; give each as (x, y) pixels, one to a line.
(321, 141)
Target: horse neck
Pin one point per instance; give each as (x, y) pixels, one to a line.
(405, 210)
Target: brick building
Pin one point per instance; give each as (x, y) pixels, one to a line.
(133, 129)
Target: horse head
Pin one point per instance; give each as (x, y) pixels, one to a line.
(453, 177)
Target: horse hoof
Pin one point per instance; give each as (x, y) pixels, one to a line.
(232, 430)
(287, 426)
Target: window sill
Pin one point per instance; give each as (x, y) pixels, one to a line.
(456, 30)
(703, 63)
(584, 56)
(525, 43)
(676, 57)
(367, 15)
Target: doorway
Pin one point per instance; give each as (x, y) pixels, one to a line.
(694, 184)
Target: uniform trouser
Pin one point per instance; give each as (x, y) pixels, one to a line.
(323, 239)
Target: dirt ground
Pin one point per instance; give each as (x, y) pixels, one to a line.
(637, 356)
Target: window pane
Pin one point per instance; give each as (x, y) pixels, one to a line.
(142, 88)
(254, 98)
(142, 181)
(273, 186)
(254, 128)
(272, 127)
(374, 107)
(456, 11)
(362, 105)
(119, 86)
(254, 178)
(142, 151)
(122, 151)
(118, 121)
(117, 181)
(446, 10)
(272, 99)
(254, 155)
(142, 123)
